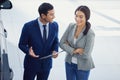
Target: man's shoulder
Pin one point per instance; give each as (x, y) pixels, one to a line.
(54, 24)
(31, 22)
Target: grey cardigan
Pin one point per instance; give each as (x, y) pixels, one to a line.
(86, 42)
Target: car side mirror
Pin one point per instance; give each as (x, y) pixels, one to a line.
(5, 4)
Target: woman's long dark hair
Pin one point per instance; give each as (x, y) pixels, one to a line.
(86, 11)
(88, 25)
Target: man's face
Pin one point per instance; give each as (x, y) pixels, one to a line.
(49, 17)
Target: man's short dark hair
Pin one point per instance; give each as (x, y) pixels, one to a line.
(44, 8)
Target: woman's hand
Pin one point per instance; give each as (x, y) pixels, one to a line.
(78, 51)
(67, 43)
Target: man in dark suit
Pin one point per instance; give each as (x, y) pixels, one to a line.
(39, 38)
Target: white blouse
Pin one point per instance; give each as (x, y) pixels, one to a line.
(74, 59)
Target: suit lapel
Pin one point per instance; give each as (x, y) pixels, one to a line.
(73, 32)
(80, 35)
(39, 32)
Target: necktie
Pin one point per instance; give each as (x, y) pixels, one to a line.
(44, 33)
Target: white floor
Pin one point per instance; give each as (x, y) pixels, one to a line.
(105, 20)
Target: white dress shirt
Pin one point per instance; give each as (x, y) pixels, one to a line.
(41, 28)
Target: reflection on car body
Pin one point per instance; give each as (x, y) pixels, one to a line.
(6, 72)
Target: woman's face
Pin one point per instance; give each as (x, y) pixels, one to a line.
(80, 18)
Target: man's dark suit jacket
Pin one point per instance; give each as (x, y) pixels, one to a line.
(31, 37)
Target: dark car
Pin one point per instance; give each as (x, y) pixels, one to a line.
(6, 72)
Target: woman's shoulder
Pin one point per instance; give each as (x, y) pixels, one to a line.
(91, 32)
(72, 24)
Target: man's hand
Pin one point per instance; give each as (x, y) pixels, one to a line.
(54, 54)
(78, 51)
(31, 53)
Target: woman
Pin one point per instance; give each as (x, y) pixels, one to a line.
(78, 41)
